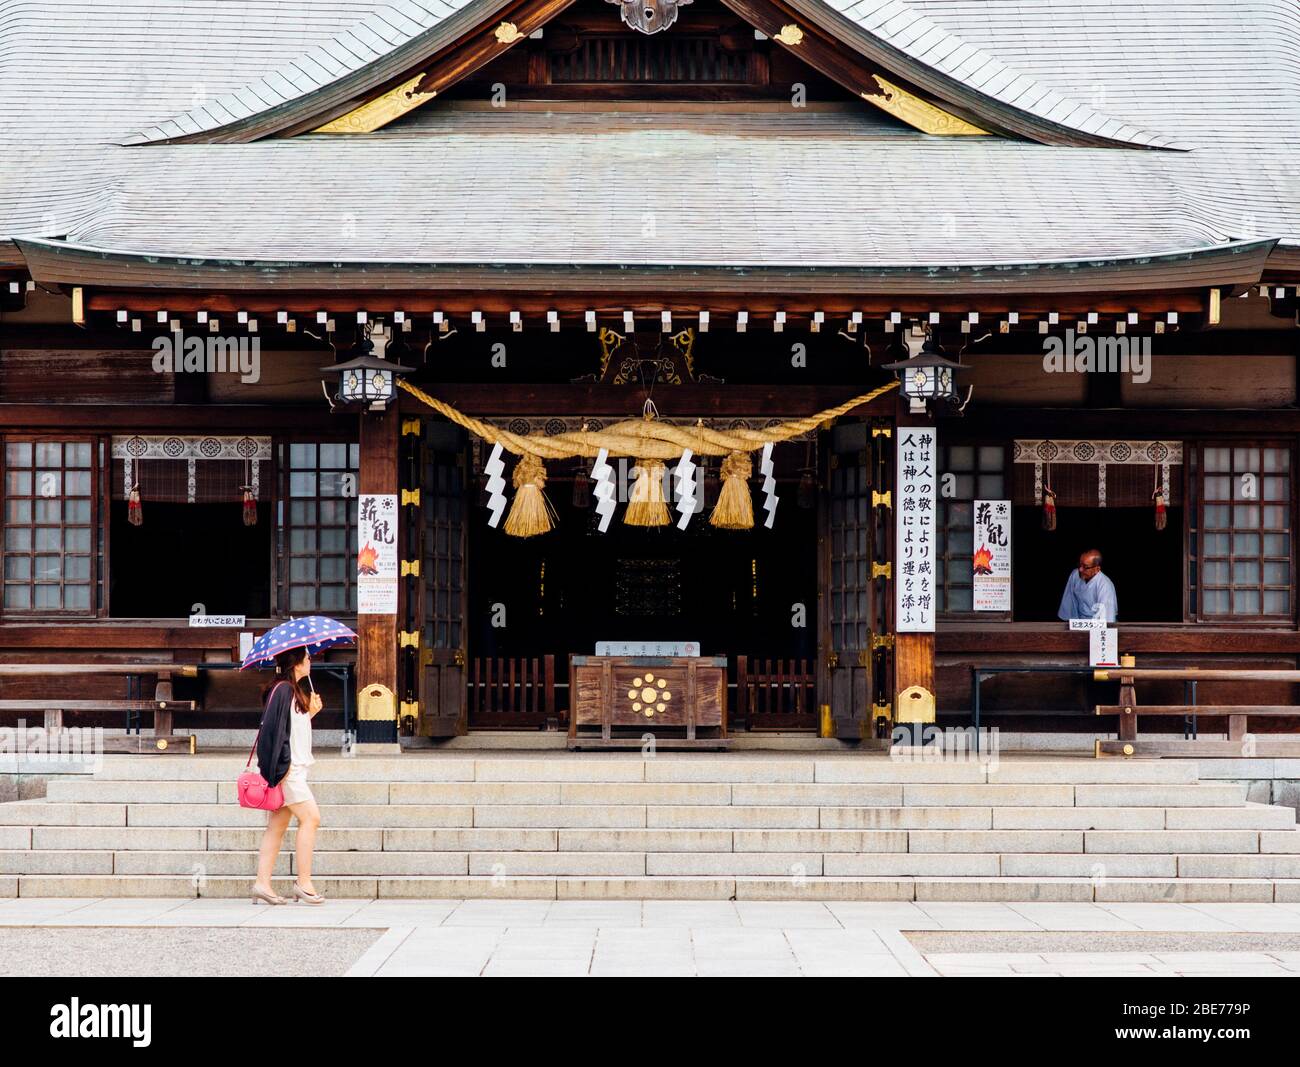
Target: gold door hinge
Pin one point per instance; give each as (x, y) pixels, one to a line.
(411, 567)
(883, 711)
(864, 659)
(408, 638)
(410, 426)
(882, 431)
(410, 496)
(459, 657)
(885, 570)
(882, 500)
(832, 659)
(882, 641)
(408, 707)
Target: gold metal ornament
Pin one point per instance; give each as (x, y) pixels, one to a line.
(379, 112)
(508, 33)
(918, 113)
(790, 35)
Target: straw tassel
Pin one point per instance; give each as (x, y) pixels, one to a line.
(735, 508)
(646, 505)
(531, 513)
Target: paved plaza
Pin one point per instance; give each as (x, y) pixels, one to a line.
(541, 938)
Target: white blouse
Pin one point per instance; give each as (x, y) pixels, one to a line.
(300, 738)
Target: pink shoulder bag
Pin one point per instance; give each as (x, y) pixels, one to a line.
(253, 789)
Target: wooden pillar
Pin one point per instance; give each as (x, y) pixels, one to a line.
(377, 633)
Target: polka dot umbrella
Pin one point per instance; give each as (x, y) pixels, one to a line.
(314, 633)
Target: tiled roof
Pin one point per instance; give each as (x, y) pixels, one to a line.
(1222, 77)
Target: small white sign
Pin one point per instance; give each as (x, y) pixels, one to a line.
(216, 620)
(245, 644)
(1103, 647)
(1087, 624)
(647, 648)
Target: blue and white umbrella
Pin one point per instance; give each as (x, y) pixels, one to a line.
(314, 633)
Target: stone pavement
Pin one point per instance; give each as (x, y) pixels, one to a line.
(684, 938)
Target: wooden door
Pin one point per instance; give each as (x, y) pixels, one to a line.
(854, 609)
(443, 464)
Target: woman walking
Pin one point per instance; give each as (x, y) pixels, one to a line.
(283, 756)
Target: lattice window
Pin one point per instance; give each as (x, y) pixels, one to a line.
(49, 526)
(851, 552)
(659, 59)
(978, 473)
(321, 527)
(1241, 545)
(442, 506)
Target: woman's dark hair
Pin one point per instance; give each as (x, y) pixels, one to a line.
(284, 665)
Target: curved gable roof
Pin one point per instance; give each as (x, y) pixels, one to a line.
(896, 35)
(398, 36)
(389, 39)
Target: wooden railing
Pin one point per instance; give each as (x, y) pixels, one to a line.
(511, 692)
(775, 694)
(1237, 743)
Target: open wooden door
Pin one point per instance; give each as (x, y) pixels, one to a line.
(443, 466)
(854, 611)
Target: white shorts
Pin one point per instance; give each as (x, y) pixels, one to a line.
(296, 789)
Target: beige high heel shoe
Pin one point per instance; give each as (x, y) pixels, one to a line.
(307, 898)
(259, 897)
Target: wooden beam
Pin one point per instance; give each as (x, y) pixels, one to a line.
(610, 304)
(213, 418)
(673, 402)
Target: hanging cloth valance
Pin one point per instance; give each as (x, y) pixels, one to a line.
(1116, 474)
(179, 469)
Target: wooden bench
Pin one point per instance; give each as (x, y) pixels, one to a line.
(163, 739)
(1238, 715)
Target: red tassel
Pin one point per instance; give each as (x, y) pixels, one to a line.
(1049, 509)
(1162, 519)
(134, 512)
(250, 507)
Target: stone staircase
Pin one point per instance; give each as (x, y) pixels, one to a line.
(757, 826)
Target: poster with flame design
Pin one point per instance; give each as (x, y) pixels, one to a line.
(991, 562)
(377, 554)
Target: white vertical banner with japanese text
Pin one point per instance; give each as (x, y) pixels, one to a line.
(377, 554)
(991, 562)
(914, 575)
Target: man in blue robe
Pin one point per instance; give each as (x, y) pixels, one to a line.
(1089, 594)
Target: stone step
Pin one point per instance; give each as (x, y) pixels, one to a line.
(663, 768)
(795, 866)
(434, 887)
(694, 794)
(682, 839)
(330, 862)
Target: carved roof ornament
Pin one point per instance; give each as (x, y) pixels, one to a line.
(650, 16)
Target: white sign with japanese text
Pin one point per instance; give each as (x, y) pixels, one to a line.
(991, 562)
(914, 579)
(377, 554)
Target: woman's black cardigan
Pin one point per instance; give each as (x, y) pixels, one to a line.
(273, 753)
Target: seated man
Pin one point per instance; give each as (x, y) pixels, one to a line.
(1089, 594)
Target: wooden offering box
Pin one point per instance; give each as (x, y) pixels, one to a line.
(672, 697)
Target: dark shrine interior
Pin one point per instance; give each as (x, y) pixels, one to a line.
(193, 554)
(1145, 564)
